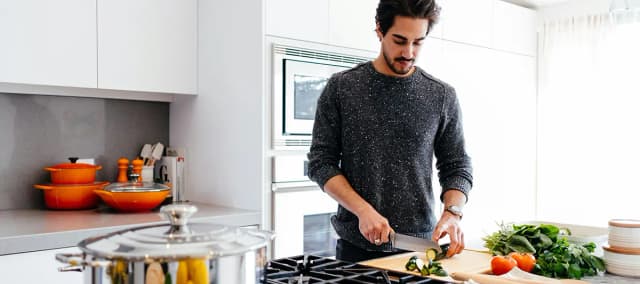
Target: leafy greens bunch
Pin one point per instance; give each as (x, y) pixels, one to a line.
(556, 257)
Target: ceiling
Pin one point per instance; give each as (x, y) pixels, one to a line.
(536, 3)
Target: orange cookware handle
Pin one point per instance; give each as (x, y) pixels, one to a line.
(44, 187)
(102, 191)
(52, 169)
(98, 168)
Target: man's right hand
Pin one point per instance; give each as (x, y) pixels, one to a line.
(374, 227)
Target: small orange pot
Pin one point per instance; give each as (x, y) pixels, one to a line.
(73, 173)
(133, 199)
(77, 196)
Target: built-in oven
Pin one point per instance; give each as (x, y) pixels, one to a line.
(299, 76)
(301, 211)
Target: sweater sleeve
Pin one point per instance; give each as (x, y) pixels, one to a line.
(453, 163)
(325, 152)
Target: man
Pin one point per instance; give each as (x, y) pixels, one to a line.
(377, 129)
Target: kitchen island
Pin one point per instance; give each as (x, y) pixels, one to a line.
(28, 230)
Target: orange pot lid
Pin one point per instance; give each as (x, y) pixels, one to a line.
(625, 223)
(73, 165)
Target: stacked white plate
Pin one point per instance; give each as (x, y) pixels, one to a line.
(622, 255)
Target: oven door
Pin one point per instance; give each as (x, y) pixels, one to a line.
(301, 220)
(303, 84)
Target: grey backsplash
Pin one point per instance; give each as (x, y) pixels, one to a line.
(40, 131)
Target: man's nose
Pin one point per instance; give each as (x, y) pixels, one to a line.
(407, 51)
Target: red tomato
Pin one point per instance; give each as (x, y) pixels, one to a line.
(526, 261)
(502, 264)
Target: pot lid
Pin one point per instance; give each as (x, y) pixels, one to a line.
(136, 187)
(177, 240)
(73, 165)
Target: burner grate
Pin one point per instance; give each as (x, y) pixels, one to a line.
(305, 269)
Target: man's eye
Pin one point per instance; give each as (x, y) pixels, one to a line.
(400, 42)
(417, 43)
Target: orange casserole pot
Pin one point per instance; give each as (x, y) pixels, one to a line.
(76, 196)
(72, 173)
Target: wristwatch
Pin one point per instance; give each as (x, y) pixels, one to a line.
(455, 210)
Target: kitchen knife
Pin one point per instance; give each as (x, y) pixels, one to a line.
(410, 243)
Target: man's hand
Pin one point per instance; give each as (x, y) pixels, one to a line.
(449, 224)
(374, 227)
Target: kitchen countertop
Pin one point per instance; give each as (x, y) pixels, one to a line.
(28, 230)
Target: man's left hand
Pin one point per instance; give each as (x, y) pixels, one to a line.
(449, 224)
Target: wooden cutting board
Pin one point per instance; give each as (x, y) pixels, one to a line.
(468, 261)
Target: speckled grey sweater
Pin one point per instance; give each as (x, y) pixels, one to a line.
(381, 133)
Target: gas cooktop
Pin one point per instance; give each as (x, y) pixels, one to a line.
(305, 269)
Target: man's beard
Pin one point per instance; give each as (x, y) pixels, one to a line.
(393, 68)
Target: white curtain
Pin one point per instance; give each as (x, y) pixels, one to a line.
(589, 119)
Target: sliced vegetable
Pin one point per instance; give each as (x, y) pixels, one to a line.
(443, 253)
(436, 269)
(424, 271)
(431, 253)
(431, 267)
(411, 264)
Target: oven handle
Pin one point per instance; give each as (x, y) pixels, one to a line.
(294, 186)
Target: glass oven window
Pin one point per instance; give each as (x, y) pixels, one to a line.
(306, 93)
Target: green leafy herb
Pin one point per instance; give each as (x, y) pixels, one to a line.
(555, 256)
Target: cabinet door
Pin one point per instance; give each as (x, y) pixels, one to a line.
(352, 24)
(48, 42)
(467, 21)
(147, 45)
(295, 19)
(38, 267)
(514, 28)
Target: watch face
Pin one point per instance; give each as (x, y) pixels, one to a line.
(455, 209)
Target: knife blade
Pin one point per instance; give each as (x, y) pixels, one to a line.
(411, 243)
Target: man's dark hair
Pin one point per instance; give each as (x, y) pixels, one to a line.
(420, 9)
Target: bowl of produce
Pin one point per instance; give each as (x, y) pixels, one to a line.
(554, 255)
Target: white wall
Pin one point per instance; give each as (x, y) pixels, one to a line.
(573, 8)
(222, 127)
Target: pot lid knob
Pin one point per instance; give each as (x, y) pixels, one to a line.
(73, 159)
(178, 215)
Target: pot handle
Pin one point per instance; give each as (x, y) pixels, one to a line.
(42, 186)
(52, 169)
(77, 263)
(98, 168)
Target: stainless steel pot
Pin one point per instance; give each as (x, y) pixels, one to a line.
(195, 253)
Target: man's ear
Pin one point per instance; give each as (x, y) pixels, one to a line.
(378, 32)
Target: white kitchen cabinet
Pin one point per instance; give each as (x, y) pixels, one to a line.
(303, 20)
(352, 24)
(514, 28)
(48, 42)
(148, 45)
(38, 267)
(467, 21)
